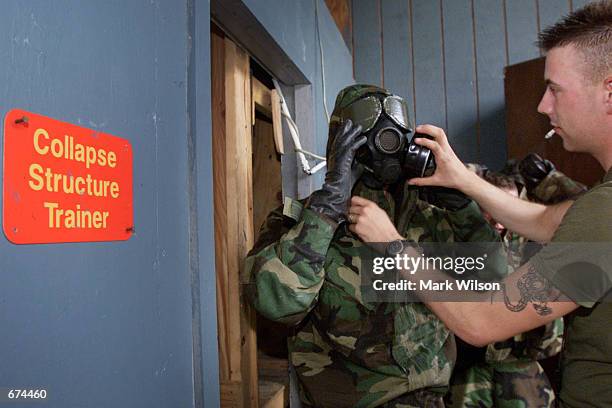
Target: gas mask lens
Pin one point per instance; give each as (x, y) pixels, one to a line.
(395, 108)
(367, 111)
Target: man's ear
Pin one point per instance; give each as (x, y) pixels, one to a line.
(608, 100)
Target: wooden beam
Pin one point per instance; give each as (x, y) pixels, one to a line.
(267, 183)
(235, 122)
(231, 394)
(262, 96)
(277, 121)
(220, 206)
(232, 167)
(239, 201)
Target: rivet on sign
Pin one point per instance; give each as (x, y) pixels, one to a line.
(22, 120)
(130, 229)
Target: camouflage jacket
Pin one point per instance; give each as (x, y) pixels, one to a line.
(348, 352)
(556, 187)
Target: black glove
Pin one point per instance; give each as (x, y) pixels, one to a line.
(332, 199)
(444, 197)
(534, 169)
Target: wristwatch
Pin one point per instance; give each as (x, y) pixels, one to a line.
(395, 247)
(400, 245)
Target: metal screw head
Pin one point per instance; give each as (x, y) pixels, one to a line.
(22, 120)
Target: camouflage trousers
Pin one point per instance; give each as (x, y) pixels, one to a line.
(516, 384)
(415, 399)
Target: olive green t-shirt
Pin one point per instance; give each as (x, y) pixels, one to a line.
(578, 261)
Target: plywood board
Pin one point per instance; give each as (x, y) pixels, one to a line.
(232, 167)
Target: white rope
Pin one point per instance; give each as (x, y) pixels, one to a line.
(295, 137)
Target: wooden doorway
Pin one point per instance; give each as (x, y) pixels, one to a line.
(247, 184)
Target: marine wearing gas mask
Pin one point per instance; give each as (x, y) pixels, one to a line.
(389, 153)
(370, 139)
(305, 269)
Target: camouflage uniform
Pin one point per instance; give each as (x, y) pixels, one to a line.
(557, 187)
(348, 352)
(511, 376)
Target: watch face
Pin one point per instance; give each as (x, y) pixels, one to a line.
(395, 247)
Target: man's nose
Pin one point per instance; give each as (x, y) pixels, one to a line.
(545, 106)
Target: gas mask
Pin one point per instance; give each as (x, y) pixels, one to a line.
(390, 153)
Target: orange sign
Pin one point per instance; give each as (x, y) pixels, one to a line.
(64, 183)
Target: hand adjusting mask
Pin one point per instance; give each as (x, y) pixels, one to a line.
(390, 152)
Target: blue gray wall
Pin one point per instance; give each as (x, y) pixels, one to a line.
(111, 324)
(292, 24)
(447, 57)
(132, 324)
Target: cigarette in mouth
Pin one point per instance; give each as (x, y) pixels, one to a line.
(550, 134)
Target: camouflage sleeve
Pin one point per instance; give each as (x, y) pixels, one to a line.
(469, 225)
(286, 265)
(557, 187)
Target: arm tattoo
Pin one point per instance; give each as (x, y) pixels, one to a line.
(535, 289)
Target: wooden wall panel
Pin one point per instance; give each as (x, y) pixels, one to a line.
(522, 30)
(460, 78)
(550, 11)
(397, 32)
(457, 51)
(576, 4)
(447, 58)
(490, 62)
(367, 33)
(428, 63)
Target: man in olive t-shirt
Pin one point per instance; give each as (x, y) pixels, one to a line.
(571, 275)
(578, 261)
